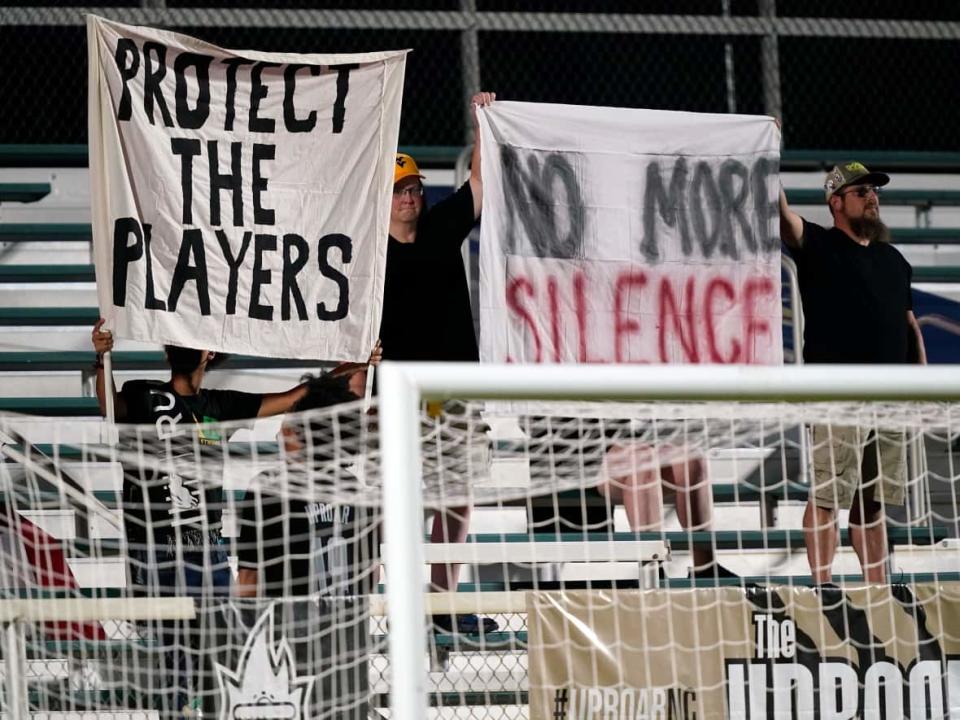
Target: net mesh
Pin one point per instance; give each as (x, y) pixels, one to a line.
(578, 563)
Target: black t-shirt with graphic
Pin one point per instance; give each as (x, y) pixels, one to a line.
(855, 298)
(426, 302)
(159, 497)
(301, 548)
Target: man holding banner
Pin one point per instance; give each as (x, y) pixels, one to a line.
(858, 308)
(426, 309)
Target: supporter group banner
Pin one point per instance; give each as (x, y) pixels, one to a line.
(784, 652)
(240, 200)
(629, 236)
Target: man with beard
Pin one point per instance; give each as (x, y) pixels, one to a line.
(855, 289)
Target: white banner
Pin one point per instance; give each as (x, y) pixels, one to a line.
(240, 200)
(629, 236)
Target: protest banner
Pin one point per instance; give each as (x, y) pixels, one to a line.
(738, 653)
(240, 199)
(629, 236)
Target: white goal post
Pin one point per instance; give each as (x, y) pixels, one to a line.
(403, 386)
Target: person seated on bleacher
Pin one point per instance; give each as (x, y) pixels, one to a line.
(857, 304)
(639, 474)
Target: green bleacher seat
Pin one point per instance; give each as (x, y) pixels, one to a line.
(918, 198)
(43, 155)
(46, 273)
(48, 316)
(51, 406)
(44, 232)
(893, 160)
(775, 538)
(939, 274)
(23, 192)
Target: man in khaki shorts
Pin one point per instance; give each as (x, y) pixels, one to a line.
(857, 304)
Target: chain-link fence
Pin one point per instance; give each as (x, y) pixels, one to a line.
(872, 76)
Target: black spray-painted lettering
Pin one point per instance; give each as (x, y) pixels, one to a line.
(151, 302)
(670, 205)
(288, 282)
(192, 118)
(261, 215)
(232, 181)
(234, 261)
(152, 75)
(766, 206)
(343, 87)
(345, 245)
(128, 62)
(724, 214)
(260, 276)
(191, 247)
(294, 124)
(124, 253)
(258, 92)
(233, 64)
(186, 149)
(531, 199)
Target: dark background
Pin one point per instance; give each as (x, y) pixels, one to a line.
(889, 93)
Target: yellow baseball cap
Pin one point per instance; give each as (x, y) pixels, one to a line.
(406, 167)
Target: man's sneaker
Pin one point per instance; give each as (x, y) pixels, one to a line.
(464, 624)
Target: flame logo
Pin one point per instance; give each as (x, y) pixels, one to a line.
(265, 685)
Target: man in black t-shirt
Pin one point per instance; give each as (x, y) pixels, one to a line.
(426, 308)
(855, 289)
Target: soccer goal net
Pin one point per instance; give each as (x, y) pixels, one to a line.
(548, 543)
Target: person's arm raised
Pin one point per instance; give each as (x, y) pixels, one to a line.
(791, 224)
(481, 99)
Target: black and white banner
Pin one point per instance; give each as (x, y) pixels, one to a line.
(240, 199)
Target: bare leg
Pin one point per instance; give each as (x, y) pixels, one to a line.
(630, 479)
(449, 525)
(694, 502)
(868, 534)
(820, 536)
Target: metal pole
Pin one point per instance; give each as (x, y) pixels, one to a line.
(729, 69)
(403, 541)
(770, 59)
(759, 383)
(15, 661)
(469, 63)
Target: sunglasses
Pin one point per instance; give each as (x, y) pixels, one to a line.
(862, 191)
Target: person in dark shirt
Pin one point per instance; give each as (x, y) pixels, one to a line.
(426, 308)
(291, 547)
(855, 290)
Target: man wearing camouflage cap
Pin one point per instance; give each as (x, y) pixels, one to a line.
(855, 289)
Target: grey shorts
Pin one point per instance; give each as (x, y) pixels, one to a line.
(847, 459)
